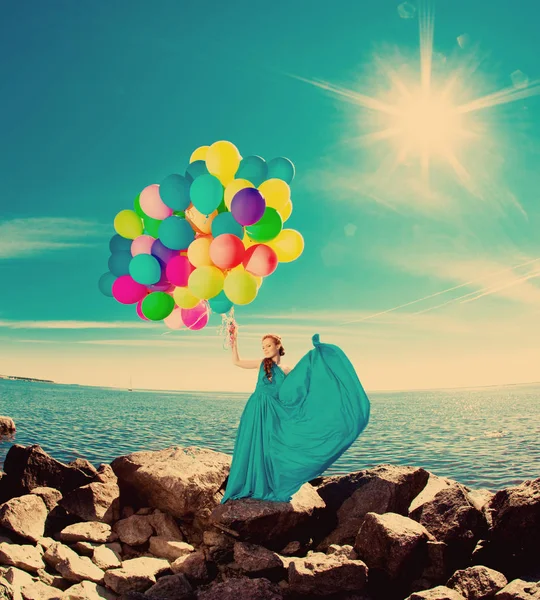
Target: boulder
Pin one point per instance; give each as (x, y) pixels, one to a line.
(31, 467)
(106, 558)
(258, 561)
(136, 574)
(269, 523)
(7, 426)
(386, 488)
(88, 590)
(518, 589)
(440, 592)
(134, 530)
(453, 519)
(72, 566)
(392, 543)
(516, 524)
(193, 566)
(88, 531)
(240, 588)
(477, 583)
(25, 516)
(23, 556)
(320, 574)
(49, 495)
(96, 501)
(171, 587)
(181, 481)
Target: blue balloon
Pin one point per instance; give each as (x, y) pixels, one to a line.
(206, 193)
(119, 263)
(226, 223)
(174, 191)
(145, 269)
(105, 284)
(281, 168)
(196, 169)
(176, 233)
(254, 169)
(119, 244)
(220, 304)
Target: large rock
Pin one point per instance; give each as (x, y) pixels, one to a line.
(41, 591)
(386, 488)
(193, 566)
(516, 522)
(258, 560)
(25, 516)
(240, 588)
(441, 592)
(164, 548)
(136, 574)
(268, 523)
(96, 501)
(134, 530)
(24, 556)
(477, 583)
(320, 574)
(18, 578)
(452, 518)
(106, 558)
(518, 589)
(88, 590)
(181, 481)
(72, 566)
(49, 495)
(165, 526)
(392, 543)
(6, 590)
(31, 467)
(89, 531)
(7, 426)
(171, 587)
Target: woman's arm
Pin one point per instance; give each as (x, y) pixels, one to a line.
(244, 364)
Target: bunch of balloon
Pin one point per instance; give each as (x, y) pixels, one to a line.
(205, 240)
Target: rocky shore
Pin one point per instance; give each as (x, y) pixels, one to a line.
(150, 526)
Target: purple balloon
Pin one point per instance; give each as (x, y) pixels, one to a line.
(162, 285)
(163, 253)
(248, 206)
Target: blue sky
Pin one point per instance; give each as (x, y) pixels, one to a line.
(101, 99)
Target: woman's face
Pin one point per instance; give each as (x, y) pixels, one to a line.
(270, 348)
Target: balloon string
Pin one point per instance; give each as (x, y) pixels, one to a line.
(227, 323)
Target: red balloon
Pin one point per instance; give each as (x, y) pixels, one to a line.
(227, 251)
(260, 260)
(178, 270)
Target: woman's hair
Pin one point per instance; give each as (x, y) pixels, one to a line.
(269, 361)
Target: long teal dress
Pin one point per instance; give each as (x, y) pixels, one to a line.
(294, 427)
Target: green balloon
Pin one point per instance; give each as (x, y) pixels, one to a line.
(222, 207)
(157, 306)
(151, 226)
(267, 227)
(179, 213)
(137, 206)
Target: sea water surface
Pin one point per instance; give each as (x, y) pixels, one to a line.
(482, 437)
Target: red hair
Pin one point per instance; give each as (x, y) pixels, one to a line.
(269, 361)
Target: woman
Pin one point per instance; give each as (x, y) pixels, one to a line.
(297, 422)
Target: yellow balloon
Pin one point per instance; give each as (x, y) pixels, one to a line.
(184, 298)
(206, 282)
(276, 193)
(199, 252)
(288, 245)
(286, 211)
(235, 186)
(258, 280)
(199, 154)
(240, 287)
(248, 242)
(223, 160)
(128, 224)
(200, 222)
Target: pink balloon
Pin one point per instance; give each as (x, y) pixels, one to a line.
(128, 291)
(152, 204)
(174, 320)
(139, 310)
(227, 251)
(142, 245)
(260, 260)
(197, 317)
(178, 270)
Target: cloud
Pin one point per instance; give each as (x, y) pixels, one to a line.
(76, 325)
(21, 238)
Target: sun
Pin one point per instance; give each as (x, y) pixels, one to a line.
(423, 117)
(427, 125)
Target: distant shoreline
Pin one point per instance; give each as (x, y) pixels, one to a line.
(378, 391)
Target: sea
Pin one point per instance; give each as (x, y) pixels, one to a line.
(482, 437)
